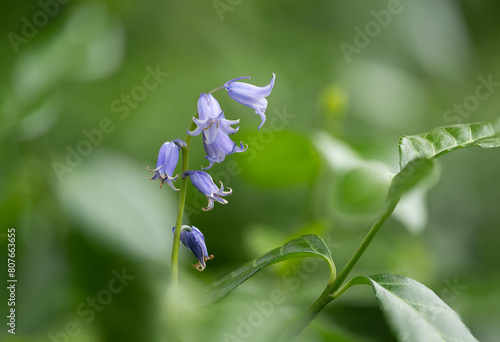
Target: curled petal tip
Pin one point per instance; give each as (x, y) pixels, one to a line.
(226, 193)
(263, 120)
(199, 266)
(235, 79)
(222, 188)
(210, 205)
(209, 165)
(169, 182)
(156, 175)
(174, 178)
(179, 142)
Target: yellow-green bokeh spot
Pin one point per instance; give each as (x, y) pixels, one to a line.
(333, 101)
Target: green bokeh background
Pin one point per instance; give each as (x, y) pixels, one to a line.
(320, 165)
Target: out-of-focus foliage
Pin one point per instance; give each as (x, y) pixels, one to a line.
(88, 95)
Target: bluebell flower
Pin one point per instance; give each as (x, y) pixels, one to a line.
(250, 95)
(211, 119)
(167, 162)
(220, 147)
(216, 130)
(205, 184)
(193, 239)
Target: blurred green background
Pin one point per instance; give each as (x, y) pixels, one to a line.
(80, 119)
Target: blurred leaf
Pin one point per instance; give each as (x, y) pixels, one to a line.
(360, 184)
(343, 158)
(415, 312)
(361, 190)
(40, 120)
(304, 246)
(412, 210)
(82, 51)
(278, 159)
(440, 52)
(413, 173)
(441, 140)
(115, 205)
(261, 238)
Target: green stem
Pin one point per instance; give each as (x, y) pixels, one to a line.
(354, 281)
(332, 289)
(363, 246)
(180, 210)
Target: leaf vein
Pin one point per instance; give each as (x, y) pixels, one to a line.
(411, 145)
(312, 247)
(430, 143)
(451, 136)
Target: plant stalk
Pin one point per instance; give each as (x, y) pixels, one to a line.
(332, 289)
(174, 271)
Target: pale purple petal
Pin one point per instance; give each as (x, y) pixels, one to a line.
(250, 95)
(210, 133)
(205, 184)
(168, 158)
(208, 107)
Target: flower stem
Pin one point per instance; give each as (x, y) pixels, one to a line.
(180, 210)
(217, 89)
(332, 289)
(363, 246)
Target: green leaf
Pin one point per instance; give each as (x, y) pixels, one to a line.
(417, 151)
(416, 313)
(441, 140)
(129, 221)
(414, 173)
(304, 246)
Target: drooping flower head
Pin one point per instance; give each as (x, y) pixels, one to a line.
(211, 119)
(216, 130)
(193, 239)
(167, 162)
(220, 147)
(205, 184)
(250, 95)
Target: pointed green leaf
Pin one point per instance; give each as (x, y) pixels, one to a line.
(445, 139)
(416, 313)
(417, 151)
(304, 246)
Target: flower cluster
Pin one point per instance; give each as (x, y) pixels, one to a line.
(216, 130)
